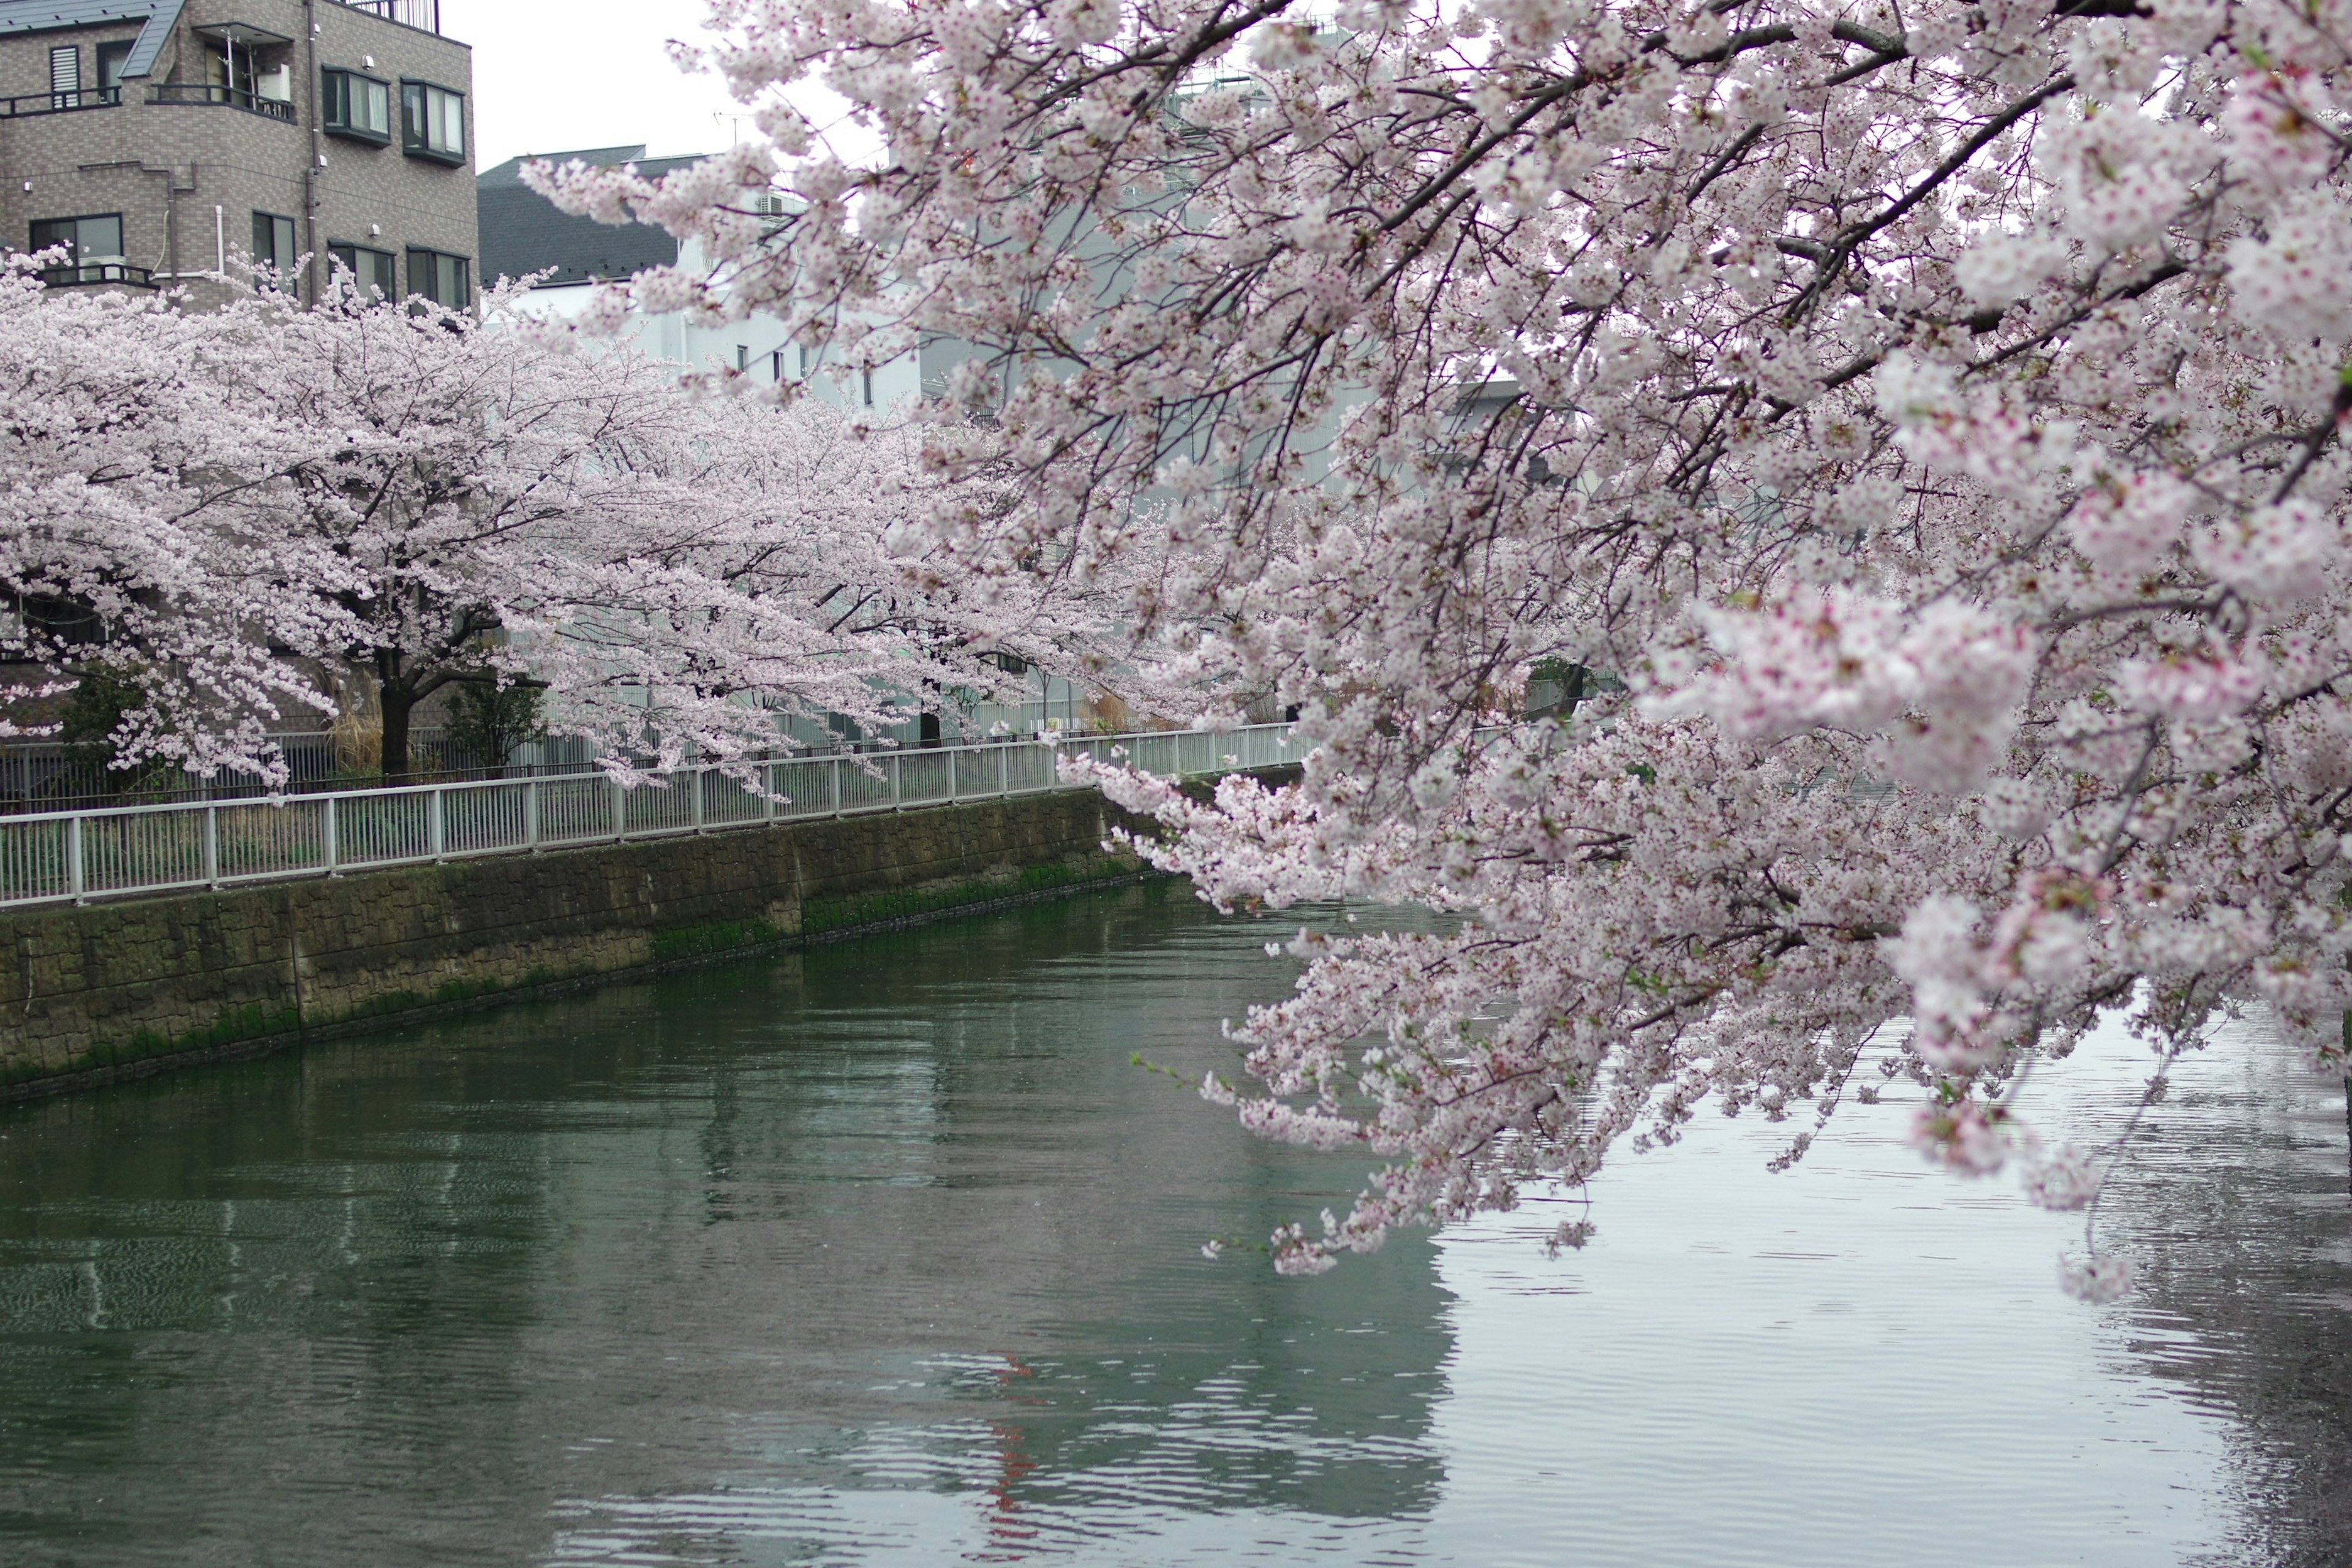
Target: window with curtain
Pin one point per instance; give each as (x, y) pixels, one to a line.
(441, 278)
(431, 122)
(370, 270)
(355, 107)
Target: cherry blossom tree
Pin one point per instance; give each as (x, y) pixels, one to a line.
(506, 499)
(109, 561)
(1944, 398)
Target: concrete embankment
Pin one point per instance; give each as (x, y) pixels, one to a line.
(110, 991)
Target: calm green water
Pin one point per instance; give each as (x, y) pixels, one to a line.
(884, 1254)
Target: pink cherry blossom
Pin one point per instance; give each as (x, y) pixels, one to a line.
(1934, 426)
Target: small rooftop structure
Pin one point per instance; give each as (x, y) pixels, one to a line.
(523, 232)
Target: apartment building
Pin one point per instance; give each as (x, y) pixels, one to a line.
(155, 138)
(523, 233)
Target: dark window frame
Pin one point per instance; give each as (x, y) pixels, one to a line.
(332, 105)
(117, 52)
(420, 145)
(285, 264)
(349, 251)
(465, 276)
(77, 259)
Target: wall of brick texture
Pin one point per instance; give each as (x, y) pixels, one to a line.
(113, 990)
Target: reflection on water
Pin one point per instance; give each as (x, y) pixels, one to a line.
(885, 1254)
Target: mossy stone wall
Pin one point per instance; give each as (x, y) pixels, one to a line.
(112, 990)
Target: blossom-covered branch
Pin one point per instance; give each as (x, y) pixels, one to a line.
(1950, 398)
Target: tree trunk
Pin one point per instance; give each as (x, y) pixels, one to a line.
(397, 703)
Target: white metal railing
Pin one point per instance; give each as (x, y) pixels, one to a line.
(75, 856)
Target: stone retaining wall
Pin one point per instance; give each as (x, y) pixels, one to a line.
(115, 989)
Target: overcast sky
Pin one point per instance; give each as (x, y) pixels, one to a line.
(551, 78)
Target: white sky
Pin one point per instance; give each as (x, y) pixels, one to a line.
(549, 77)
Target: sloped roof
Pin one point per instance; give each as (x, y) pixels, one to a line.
(523, 232)
(49, 16)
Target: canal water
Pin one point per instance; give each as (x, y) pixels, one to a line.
(884, 1254)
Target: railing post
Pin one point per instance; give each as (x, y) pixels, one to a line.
(530, 813)
(620, 809)
(897, 783)
(211, 847)
(837, 787)
(1003, 771)
(698, 815)
(74, 884)
(438, 830)
(328, 847)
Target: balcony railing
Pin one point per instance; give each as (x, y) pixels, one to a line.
(425, 15)
(71, 856)
(76, 274)
(60, 102)
(212, 93)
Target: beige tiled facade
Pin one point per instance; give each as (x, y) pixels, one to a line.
(187, 153)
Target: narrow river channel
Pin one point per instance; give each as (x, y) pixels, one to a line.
(884, 1254)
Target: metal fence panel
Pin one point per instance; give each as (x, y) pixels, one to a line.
(979, 771)
(32, 859)
(576, 810)
(272, 838)
(377, 830)
(732, 802)
(479, 819)
(1029, 767)
(1159, 755)
(74, 855)
(142, 850)
(803, 789)
(664, 805)
(865, 790)
(926, 777)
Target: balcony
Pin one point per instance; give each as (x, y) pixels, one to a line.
(60, 102)
(234, 97)
(425, 16)
(75, 275)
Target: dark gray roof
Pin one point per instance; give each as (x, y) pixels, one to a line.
(523, 232)
(49, 15)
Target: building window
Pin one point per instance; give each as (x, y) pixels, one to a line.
(866, 384)
(91, 243)
(440, 278)
(93, 250)
(431, 122)
(356, 106)
(776, 366)
(111, 59)
(370, 270)
(273, 242)
(65, 77)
